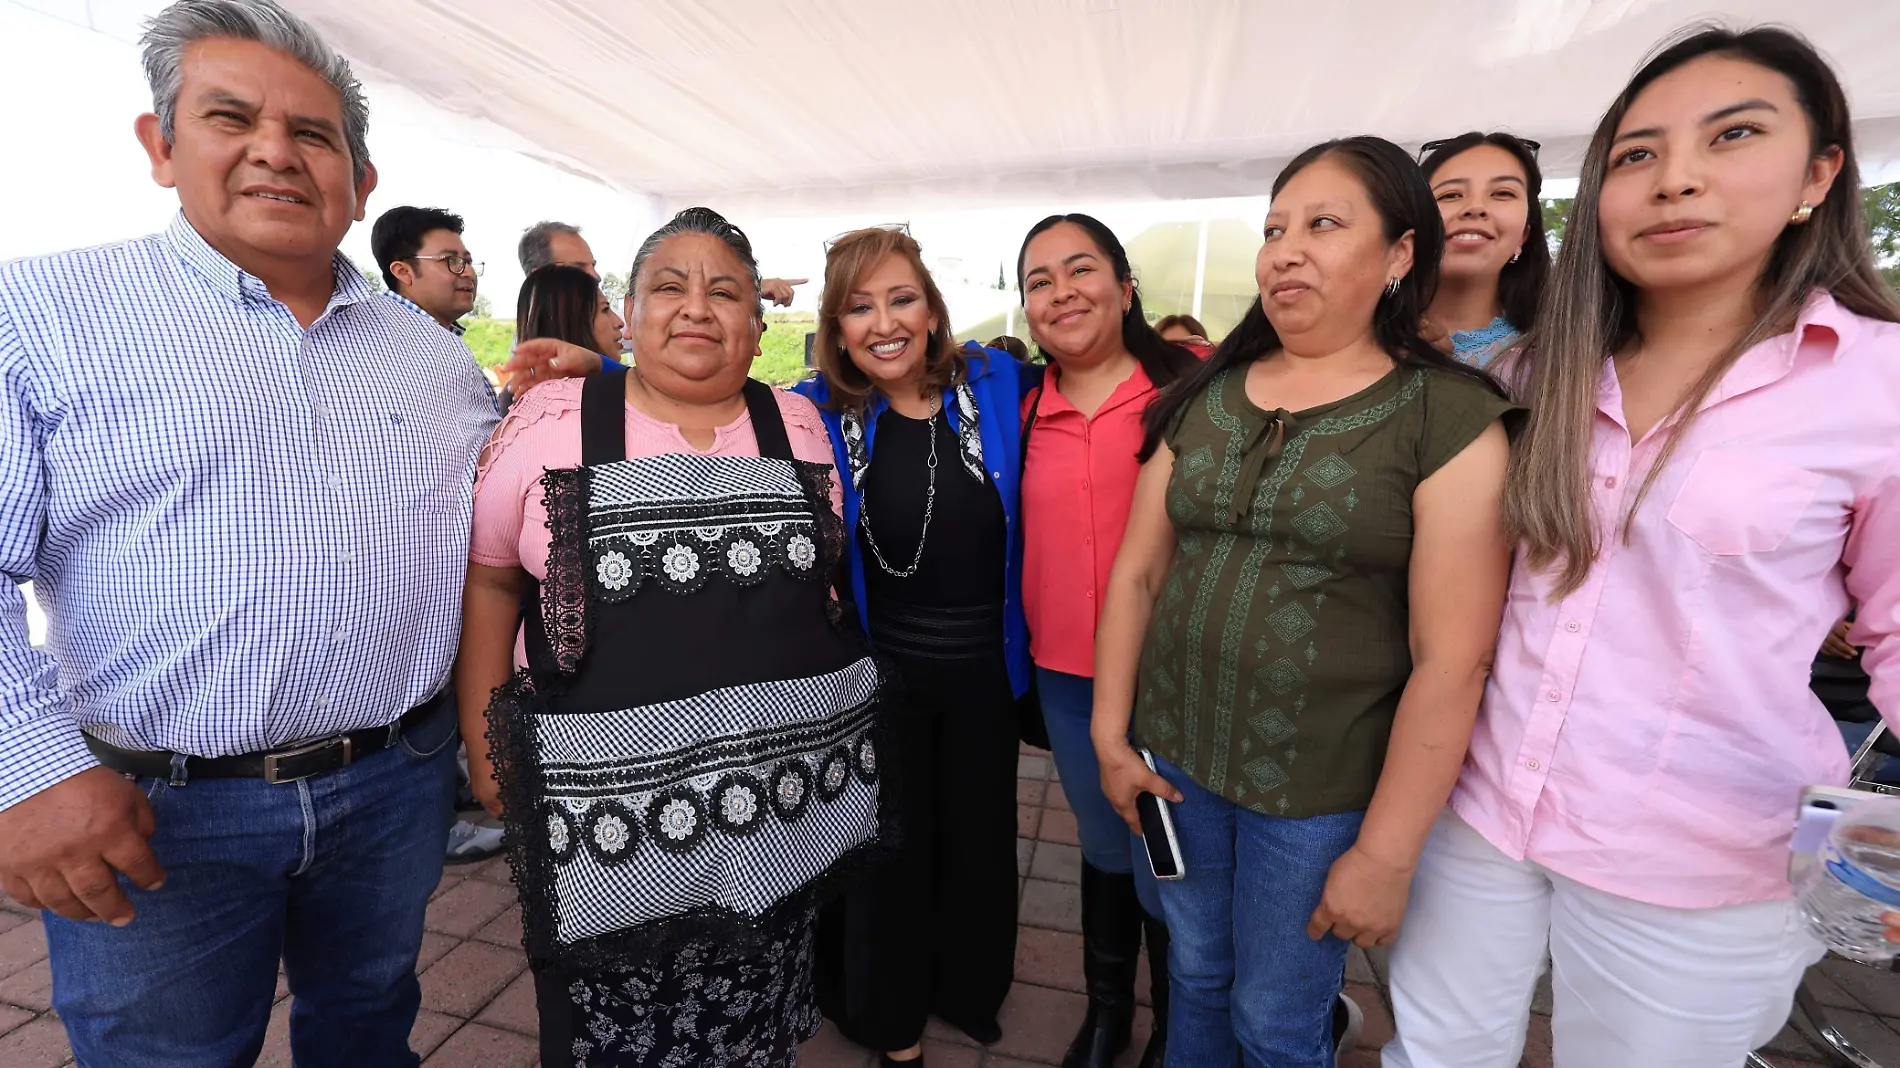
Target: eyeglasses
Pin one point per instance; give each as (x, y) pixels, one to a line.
(1430, 147)
(894, 228)
(455, 262)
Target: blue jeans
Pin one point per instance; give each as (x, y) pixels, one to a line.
(1107, 843)
(332, 874)
(1245, 978)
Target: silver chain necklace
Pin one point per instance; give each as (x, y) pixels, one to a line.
(930, 506)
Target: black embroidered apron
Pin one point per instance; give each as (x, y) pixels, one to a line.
(691, 746)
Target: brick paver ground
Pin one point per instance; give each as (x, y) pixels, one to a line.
(478, 1002)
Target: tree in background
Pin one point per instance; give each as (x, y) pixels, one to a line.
(1556, 214)
(374, 277)
(1883, 217)
(614, 288)
(484, 308)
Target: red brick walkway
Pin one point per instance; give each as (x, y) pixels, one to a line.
(478, 1002)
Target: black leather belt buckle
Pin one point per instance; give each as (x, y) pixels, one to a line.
(307, 760)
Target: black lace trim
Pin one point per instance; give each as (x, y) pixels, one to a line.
(816, 479)
(565, 612)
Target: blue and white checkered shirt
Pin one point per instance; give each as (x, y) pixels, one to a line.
(458, 330)
(455, 328)
(244, 532)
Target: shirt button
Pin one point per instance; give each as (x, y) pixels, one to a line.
(337, 483)
(1610, 483)
(1532, 764)
(338, 635)
(324, 701)
(1573, 626)
(1553, 695)
(1091, 595)
(1085, 483)
(1088, 541)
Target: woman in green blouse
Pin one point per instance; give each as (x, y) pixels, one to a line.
(1303, 610)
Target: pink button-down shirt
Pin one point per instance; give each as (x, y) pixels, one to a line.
(1649, 735)
(1078, 486)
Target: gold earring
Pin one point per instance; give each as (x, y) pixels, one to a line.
(1803, 213)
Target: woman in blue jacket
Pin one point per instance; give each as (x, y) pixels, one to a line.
(928, 444)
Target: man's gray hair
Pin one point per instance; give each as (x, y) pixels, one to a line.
(177, 27)
(537, 244)
(702, 221)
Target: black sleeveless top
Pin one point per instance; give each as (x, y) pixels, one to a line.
(952, 607)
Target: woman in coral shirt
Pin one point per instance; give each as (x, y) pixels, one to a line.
(1107, 363)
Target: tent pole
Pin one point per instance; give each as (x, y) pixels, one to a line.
(1200, 269)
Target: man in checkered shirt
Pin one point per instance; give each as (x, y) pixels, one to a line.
(232, 750)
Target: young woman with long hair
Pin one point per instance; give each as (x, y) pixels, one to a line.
(1710, 471)
(1106, 366)
(1496, 256)
(1303, 610)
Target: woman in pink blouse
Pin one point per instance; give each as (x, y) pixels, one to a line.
(1711, 471)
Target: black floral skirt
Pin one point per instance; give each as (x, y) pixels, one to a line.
(703, 1006)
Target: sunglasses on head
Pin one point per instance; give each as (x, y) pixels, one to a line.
(1430, 147)
(895, 228)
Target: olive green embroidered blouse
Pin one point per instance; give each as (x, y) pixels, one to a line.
(1279, 646)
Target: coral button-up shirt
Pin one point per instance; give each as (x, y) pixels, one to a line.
(1649, 735)
(1078, 485)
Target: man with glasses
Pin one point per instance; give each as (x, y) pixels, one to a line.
(425, 264)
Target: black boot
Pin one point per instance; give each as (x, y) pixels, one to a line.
(1157, 1051)
(1111, 947)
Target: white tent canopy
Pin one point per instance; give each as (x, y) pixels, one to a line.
(830, 106)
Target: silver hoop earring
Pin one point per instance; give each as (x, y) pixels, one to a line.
(1392, 288)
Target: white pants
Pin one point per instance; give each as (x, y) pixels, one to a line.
(1634, 985)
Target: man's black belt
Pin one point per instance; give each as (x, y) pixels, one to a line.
(288, 764)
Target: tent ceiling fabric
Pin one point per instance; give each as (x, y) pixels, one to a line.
(830, 106)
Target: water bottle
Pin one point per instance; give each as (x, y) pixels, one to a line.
(1855, 882)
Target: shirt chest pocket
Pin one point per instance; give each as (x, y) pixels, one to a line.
(423, 466)
(1734, 503)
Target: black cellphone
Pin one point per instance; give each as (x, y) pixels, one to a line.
(1157, 831)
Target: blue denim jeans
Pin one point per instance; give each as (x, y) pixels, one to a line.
(1107, 843)
(1245, 979)
(331, 874)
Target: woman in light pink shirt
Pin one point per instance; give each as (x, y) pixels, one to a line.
(1710, 473)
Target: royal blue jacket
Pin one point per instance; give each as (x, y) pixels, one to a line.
(998, 382)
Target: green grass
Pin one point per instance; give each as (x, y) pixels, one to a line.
(489, 339)
(781, 359)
